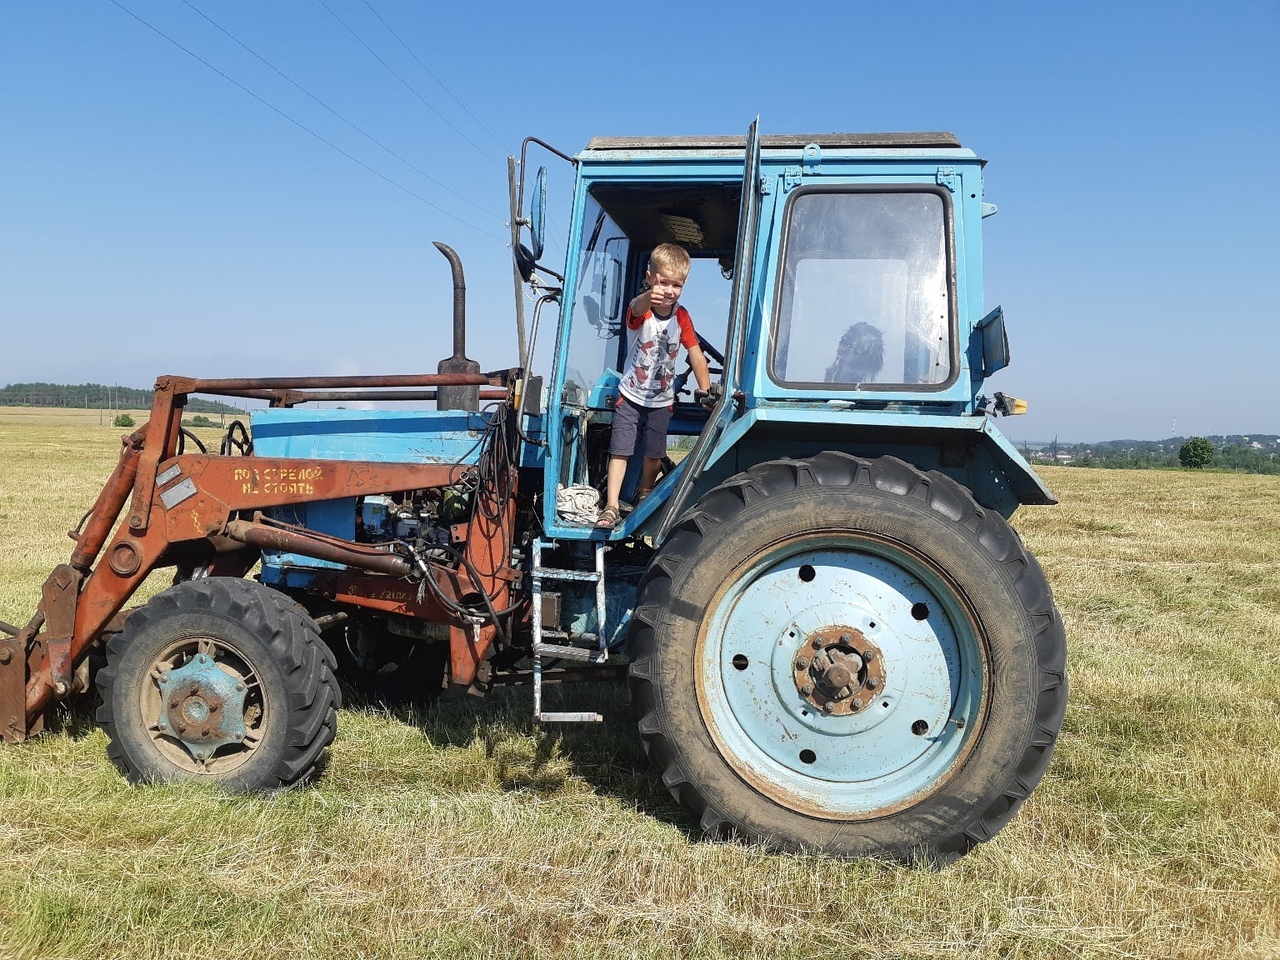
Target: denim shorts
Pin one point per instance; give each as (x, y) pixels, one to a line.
(632, 423)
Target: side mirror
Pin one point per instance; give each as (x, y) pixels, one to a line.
(538, 212)
(995, 342)
(611, 289)
(525, 262)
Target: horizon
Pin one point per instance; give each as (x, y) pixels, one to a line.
(248, 190)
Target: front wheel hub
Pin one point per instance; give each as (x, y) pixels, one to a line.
(203, 706)
(838, 670)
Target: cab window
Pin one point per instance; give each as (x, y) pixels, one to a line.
(599, 299)
(864, 300)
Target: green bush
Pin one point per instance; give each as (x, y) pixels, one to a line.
(1196, 453)
(123, 420)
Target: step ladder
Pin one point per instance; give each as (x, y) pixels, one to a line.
(563, 645)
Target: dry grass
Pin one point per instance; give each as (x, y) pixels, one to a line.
(465, 831)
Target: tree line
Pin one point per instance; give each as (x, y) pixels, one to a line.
(97, 396)
(1253, 453)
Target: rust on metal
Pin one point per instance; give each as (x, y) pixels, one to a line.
(160, 434)
(107, 507)
(291, 398)
(236, 387)
(838, 669)
(58, 601)
(198, 500)
(357, 555)
(13, 685)
(124, 558)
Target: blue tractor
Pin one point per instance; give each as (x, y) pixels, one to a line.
(832, 639)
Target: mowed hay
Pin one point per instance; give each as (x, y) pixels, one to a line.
(465, 830)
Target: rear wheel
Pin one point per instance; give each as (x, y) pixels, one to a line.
(219, 678)
(849, 656)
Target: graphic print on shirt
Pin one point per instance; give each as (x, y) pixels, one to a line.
(653, 357)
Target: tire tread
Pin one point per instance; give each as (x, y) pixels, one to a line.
(289, 637)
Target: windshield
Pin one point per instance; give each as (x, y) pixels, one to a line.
(864, 299)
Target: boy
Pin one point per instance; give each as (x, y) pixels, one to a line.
(646, 393)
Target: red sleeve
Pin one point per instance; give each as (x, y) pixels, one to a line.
(633, 322)
(688, 336)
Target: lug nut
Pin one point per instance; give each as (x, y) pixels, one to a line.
(868, 656)
(173, 703)
(872, 683)
(857, 703)
(807, 689)
(829, 706)
(6, 656)
(205, 732)
(802, 663)
(846, 639)
(816, 643)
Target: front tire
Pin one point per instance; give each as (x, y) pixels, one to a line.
(848, 656)
(221, 679)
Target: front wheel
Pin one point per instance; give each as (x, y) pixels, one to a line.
(221, 679)
(848, 656)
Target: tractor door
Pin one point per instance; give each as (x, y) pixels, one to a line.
(727, 408)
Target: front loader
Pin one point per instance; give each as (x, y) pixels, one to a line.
(833, 640)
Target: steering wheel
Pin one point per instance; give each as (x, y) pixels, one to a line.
(685, 375)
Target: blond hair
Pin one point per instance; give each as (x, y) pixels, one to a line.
(670, 258)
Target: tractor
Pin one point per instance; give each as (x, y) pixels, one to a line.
(831, 637)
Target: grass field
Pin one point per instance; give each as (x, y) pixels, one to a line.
(466, 831)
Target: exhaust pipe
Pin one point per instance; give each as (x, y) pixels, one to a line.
(457, 398)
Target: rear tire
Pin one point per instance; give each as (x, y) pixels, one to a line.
(221, 679)
(848, 656)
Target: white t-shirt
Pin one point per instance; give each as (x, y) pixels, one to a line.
(650, 370)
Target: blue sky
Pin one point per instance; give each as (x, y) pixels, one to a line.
(156, 217)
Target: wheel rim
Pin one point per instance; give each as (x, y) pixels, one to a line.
(203, 706)
(842, 675)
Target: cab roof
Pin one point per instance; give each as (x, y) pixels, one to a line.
(853, 140)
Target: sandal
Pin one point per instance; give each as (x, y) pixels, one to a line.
(608, 518)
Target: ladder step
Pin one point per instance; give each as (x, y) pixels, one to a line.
(550, 573)
(568, 653)
(591, 638)
(570, 717)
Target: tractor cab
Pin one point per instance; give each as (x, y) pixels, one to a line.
(836, 290)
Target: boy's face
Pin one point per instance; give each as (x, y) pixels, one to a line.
(664, 289)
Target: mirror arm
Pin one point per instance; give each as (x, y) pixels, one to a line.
(524, 150)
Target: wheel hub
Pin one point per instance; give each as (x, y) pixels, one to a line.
(838, 670)
(203, 706)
